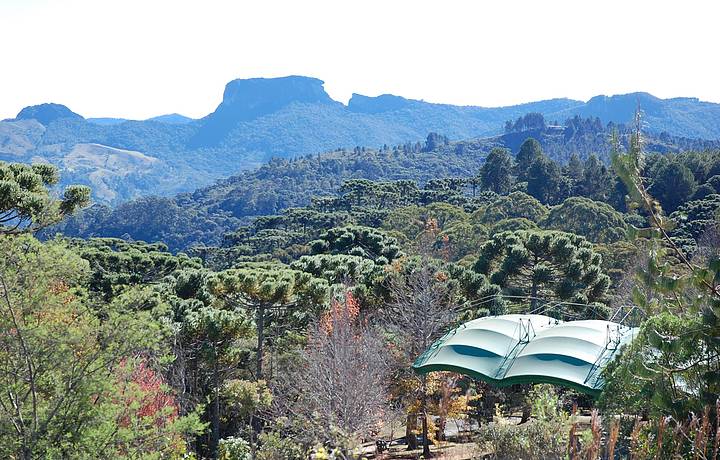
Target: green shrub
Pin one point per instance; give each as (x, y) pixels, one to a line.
(232, 448)
(543, 437)
(534, 440)
(276, 447)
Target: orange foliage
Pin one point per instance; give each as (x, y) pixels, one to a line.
(432, 227)
(60, 287)
(152, 399)
(346, 311)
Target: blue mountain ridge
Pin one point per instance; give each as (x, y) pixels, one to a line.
(262, 118)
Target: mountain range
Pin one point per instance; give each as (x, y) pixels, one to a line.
(288, 117)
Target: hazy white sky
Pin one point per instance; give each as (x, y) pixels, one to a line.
(140, 58)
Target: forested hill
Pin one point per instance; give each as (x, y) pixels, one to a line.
(259, 119)
(187, 347)
(207, 214)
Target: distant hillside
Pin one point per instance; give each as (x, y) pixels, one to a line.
(104, 167)
(171, 118)
(288, 117)
(47, 113)
(683, 116)
(218, 209)
(106, 120)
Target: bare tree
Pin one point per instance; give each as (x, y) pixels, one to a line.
(421, 310)
(708, 245)
(641, 266)
(338, 388)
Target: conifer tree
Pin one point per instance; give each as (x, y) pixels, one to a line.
(544, 265)
(545, 181)
(596, 221)
(26, 202)
(673, 184)
(530, 151)
(596, 182)
(269, 292)
(497, 171)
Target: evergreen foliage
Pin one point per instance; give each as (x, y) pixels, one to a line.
(26, 202)
(496, 173)
(596, 221)
(236, 347)
(545, 265)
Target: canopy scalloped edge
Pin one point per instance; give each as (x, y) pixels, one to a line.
(511, 349)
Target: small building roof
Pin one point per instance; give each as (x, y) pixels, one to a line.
(510, 349)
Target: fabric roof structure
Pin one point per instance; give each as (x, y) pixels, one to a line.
(510, 349)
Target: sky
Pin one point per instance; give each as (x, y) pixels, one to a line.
(140, 58)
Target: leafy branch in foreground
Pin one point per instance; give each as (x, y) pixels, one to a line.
(673, 366)
(75, 385)
(629, 168)
(26, 204)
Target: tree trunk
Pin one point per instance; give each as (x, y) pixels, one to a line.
(251, 436)
(533, 295)
(525, 413)
(260, 324)
(410, 427)
(440, 432)
(426, 441)
(523, 392)
(215, 412)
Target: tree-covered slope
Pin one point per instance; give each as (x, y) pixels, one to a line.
(205, 215)
(159, 353)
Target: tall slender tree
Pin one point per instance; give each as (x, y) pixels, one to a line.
(497, 171)
(270, 292)
(421, 310)
(530, 152)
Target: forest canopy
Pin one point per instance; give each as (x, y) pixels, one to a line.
(254, 321)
